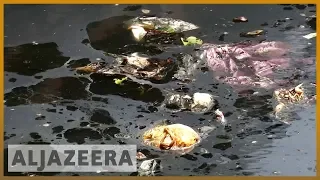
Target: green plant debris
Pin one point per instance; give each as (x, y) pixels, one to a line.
(120, 81)
(167, 29)
(191, 41)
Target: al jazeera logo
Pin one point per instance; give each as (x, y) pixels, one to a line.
(72, 158)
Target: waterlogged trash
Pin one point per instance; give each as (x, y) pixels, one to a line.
(310, 36)
(145, 11)
(220, 117)
(142, 26)
(177, 138)
(159, 23)
(150, 167)
(140, 156)
(202, 102)
(138, 32)
(252, 33)
(285, 98)
(177, 101)
(198, 103)
(140, 67)
(120, 81)
(292, 95)
(191, 41)
(240, 19)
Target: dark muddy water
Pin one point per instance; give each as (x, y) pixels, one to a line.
(47, 102)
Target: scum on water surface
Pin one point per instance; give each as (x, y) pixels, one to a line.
(215, 97)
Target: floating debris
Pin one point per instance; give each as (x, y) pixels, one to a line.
(310, 36)
(202, 102)
(145, 11)
(220, 117)
(191, 41)
(240, 19)
(252, 33)
(285, 98)
(178, 138)
(160, 23)
(140, 156)
(153, 69)
(198, 103)
(149, 167)
(120, 81)
(292, 95)
(138, 32)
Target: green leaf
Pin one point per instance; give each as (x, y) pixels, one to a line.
(166, 29)
(119, 81)
(191, 41)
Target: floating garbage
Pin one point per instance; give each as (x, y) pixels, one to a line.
(191, 41)
(252, 33)
(240, 19)
(310, 36)
(138, 32)
(120, 81)
(150, 167)
(292, 95)
(147, 35)
(198, 103)
(220, 117)
(177, 138)
(153, 69)
(140, 156)
(286, 97)
(142, 26)
(159, 23)
(202, 102)
(145, 11)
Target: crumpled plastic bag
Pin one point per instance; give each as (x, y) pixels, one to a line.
(177, 138)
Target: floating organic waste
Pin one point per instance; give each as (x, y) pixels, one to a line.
(199, 103)
(292, 95)
(167, 29)
(286, 98)
(153, 69)
(252, 33)
(175, 137)
(128, 34)
(142, 27)
(120, 81)
(162, 23)
(191, 41)
(248, 64)
(240, 19)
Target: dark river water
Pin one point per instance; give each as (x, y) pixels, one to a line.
(46, 102)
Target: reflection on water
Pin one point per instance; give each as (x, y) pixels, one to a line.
(84, 108)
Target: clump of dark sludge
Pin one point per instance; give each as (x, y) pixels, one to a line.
(27, 58)
(104, 85)
(48, 90)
